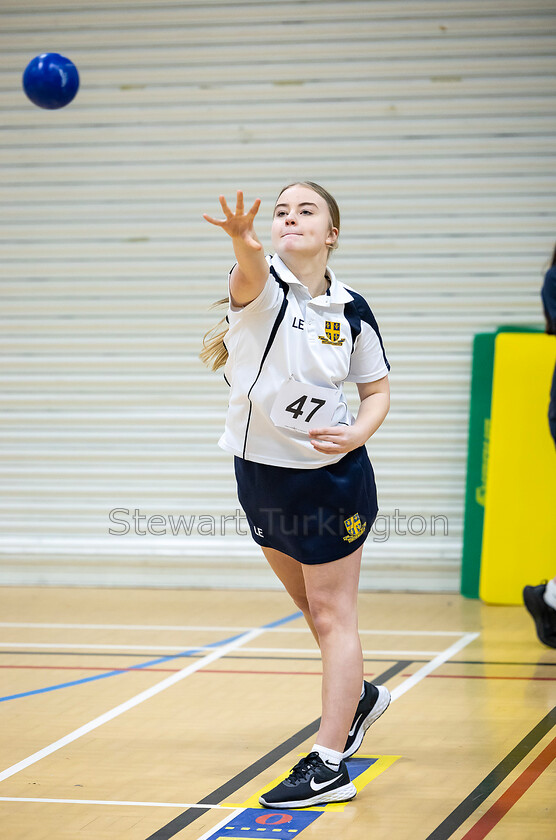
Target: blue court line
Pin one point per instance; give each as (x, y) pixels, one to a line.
(148, 664)
(280, 621)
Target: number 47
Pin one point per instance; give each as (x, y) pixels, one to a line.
(296, 407)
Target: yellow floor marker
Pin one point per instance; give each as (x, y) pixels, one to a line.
(362, 770)
(519, 535)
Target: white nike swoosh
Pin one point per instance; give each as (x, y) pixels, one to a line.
(321, 785)
(354, 727)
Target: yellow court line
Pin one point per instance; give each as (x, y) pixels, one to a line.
(382, 763)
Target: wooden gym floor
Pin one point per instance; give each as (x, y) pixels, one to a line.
(93, 750)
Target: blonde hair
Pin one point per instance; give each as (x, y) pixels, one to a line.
(214, 353)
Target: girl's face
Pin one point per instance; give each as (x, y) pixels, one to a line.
(301, 224)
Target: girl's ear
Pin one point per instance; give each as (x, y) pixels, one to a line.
(332, 236)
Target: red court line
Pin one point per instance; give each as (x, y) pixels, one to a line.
(512, 794)
(172, 670)
(237, 671)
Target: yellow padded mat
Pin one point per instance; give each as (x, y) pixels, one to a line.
(519, 534)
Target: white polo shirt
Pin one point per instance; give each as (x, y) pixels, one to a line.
(285, 333)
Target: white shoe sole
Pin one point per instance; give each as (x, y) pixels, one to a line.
(382, 703)
(341, 794)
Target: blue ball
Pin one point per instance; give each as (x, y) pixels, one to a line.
(51, 81)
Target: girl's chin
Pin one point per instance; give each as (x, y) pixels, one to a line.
(291, 244)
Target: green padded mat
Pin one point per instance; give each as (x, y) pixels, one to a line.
(477, 455)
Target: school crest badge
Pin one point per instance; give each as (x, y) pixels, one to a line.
(332, 330)
(354, 527)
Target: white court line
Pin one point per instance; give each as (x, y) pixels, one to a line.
(432, 665)
(397, 692)
(409, 653)
(211, 832)
(316, 651)
(149, 627)
(117, 802)
(78, 646)
(129, 704)
(168, 648)
(212, 628)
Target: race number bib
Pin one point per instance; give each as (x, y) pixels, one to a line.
(302, 407)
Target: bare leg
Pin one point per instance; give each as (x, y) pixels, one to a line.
(331, 590)
(290, 572)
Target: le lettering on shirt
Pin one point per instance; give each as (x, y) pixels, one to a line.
(283, 334)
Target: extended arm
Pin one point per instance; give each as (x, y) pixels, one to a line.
(251, 272)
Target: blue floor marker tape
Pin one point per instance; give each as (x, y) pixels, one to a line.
(256, 823)
(148, 664)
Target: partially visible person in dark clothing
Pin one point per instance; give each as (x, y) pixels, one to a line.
(548, 295)
(541, 600)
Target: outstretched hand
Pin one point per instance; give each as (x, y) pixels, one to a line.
(238, 225)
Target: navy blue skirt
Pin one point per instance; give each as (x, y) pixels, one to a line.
(552, 407)
(313, 515)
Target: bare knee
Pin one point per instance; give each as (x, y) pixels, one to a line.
(323, 615)
(329, 615)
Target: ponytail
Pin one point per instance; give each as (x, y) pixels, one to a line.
(214, 353)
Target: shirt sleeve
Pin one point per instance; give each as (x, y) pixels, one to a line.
(268, 300)
(368, 360)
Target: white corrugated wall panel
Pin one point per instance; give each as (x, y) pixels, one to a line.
(433, 124)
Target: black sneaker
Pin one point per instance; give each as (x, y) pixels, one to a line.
(311, 782)
(374, 702)
(544, 616)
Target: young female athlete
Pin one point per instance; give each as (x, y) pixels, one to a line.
(293, 335)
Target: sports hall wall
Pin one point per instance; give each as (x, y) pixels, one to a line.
(432, 123)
